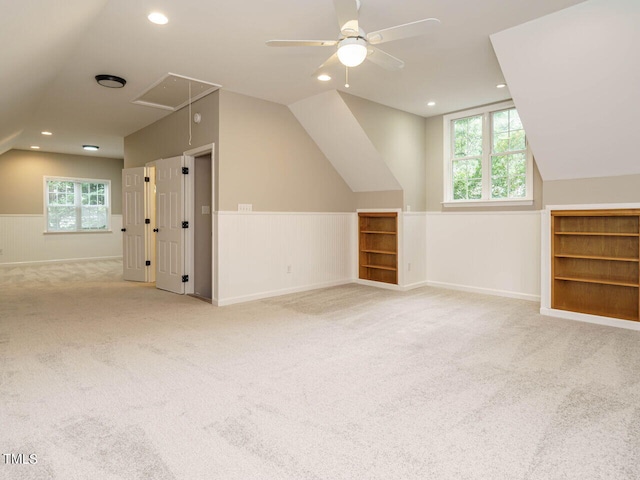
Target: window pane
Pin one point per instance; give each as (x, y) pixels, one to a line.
(467, 137)
(475, 189)
(499, 187)
(467, 179)
(94, 218)
(517, 164)
(508, 176)
(508, 134)
(518, 187)
(61, 218)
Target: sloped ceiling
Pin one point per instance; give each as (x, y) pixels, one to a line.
(52, 49)
(575, 78)
(328, 120)
(36, 39)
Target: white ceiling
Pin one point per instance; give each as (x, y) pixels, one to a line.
(52, 50)
(575, 78)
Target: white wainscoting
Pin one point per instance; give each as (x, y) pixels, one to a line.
(22, 241)
(495, 253)
(414, 249)
(257, 249)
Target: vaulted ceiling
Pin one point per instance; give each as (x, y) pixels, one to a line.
(575, 78)
(52, 50)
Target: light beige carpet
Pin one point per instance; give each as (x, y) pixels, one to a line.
(105, 379)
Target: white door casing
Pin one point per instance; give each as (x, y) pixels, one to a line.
(133, 225)
(169, 217)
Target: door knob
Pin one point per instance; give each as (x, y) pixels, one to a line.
(123, 229)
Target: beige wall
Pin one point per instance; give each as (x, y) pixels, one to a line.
(622, 189)
(21, 174)
(434, 174)
(387, 199)
(400, 138)
(268, 160)
(169, 136)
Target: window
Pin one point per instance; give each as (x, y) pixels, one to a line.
(77, 205)
(486, 158)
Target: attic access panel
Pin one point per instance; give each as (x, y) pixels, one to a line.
(171, 92)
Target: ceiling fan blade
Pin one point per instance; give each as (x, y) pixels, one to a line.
(384, 60)
(301, 43)
(332, 60)
(347, 12)
(399, 32)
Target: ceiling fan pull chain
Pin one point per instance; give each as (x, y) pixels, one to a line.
(346, 74)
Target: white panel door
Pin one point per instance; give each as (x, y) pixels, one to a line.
(133, 226)
(169, 218)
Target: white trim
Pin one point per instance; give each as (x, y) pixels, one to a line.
(64, 260)
(383, 210)
(77, 232)
(413, 286)
(489, 212)
(276, 293)
(235, 212)
(594, 206)
(487, 203)
(21, 215)
(383, 285)
(202, 150)
(585, 317)
(485, 291)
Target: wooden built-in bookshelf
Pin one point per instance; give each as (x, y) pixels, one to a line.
(595, 262)
(378, 246)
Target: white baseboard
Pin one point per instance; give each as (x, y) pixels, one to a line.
(63, 260)
(413, 286)
(276, 293)
(585, 317)
(390, 286)
(485, 291)
(383, 285)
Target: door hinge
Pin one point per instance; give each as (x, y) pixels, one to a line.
(185, 170)
(147, 263)
(147, 179)
(147, 221)
(185, 278)
(185, 224)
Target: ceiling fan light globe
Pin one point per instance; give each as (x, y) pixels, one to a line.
(352, 51)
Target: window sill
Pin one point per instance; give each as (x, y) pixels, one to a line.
(488, 203)
(79, 232)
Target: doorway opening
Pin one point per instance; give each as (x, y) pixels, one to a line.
(203, 228)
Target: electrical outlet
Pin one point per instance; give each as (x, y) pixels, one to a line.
(1, 252)
(409, 267)
(288, 268)
(245, 207)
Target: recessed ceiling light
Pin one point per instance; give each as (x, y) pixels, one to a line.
(35, 147)
(46, 133)
(324, 77)
(158, 18)
(110, 81)
(92, 148)
(431, 103)
(501, 85)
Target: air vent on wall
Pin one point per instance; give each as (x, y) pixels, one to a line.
(172, 93)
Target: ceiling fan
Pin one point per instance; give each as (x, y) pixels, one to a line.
(354, 45)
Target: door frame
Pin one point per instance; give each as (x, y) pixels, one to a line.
(189, 204)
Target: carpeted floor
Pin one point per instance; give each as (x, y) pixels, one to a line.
(105, 379)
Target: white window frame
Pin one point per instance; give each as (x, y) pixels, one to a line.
(76, 181)
(486, 200)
